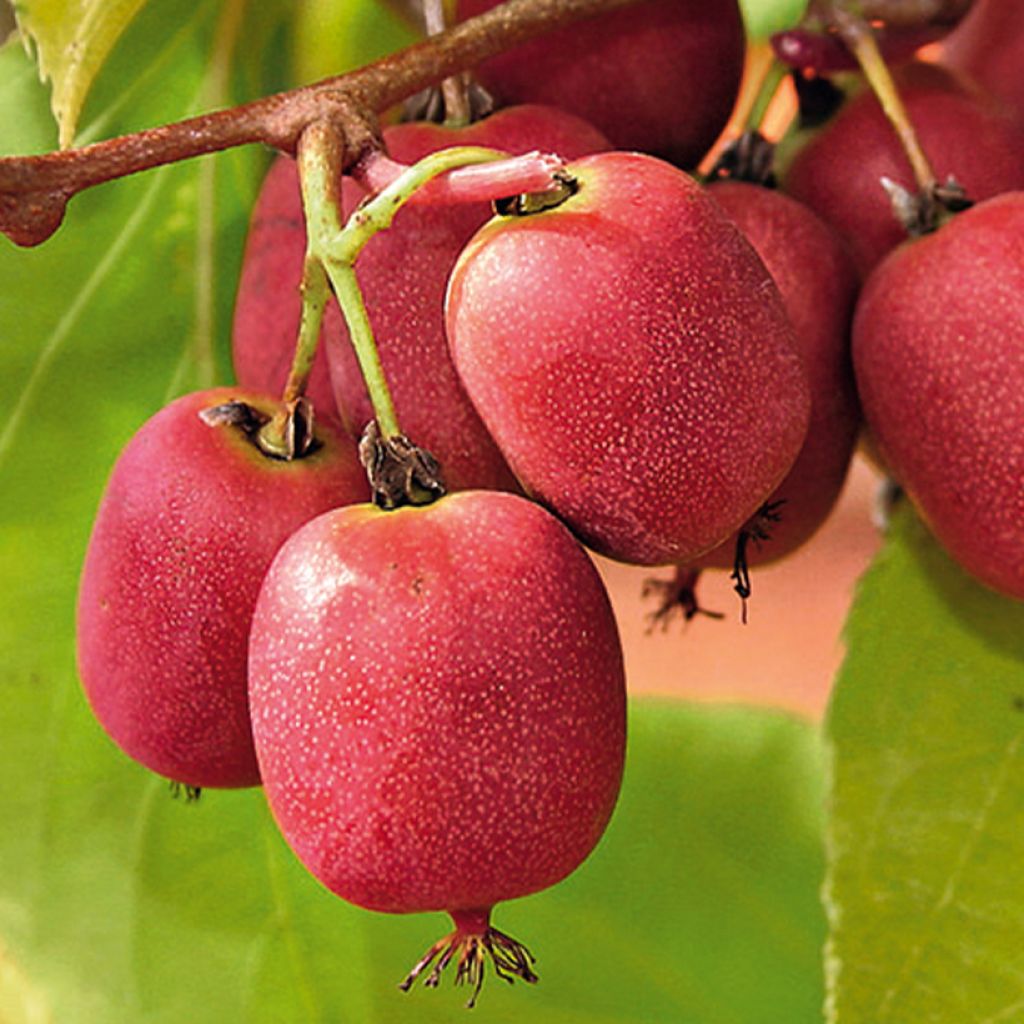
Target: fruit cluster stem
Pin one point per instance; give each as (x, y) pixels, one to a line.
(774, 75)
(320, 159)
(334, 248)
(315, 294)
(859, 38)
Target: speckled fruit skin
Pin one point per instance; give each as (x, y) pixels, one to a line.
(963, 131)
(938, 347)
(660, 77)
(438, 701)
(191, 517)
(818, 284)
(632, 358)
(404, 272)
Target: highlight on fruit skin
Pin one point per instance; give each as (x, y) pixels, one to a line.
(190, 519)
(633, 360)
(438, 707)
(938, 350)
(966, 134)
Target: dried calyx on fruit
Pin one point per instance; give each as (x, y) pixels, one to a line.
(473, 944)
(448, 751)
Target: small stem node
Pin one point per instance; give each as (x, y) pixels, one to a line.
(474, 942)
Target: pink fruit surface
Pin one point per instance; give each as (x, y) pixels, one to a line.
(660, 76)
(191, 517)
(404, 272)
(938, 347)
(438, 702)
(818, 285)
(963, 131)
(632, 358)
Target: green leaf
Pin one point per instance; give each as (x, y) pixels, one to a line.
(927, 836)
(126, 306)
(764, 17)
(699, 906)
(72, 39)
(332, 38)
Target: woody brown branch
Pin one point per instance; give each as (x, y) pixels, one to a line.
(34, 190)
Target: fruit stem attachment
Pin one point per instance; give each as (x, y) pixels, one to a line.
(400, 473)
(290, 432)
(750, 156)
(474, 942)
(859, 39)
(336, 248)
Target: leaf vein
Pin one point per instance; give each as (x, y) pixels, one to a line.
(948, 894)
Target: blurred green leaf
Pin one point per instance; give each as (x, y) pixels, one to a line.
(335, 36)
(700, 907)
(126, 306)
(927, 834)
(71, 39)
(764, 17)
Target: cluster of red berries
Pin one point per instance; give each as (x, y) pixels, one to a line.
(432, 696)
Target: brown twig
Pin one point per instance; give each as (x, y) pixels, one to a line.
(35, 190)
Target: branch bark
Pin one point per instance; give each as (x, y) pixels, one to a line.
(35, 190)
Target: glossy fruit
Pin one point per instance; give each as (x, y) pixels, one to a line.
(438, 703)
(818, 284)
(659, 76)
(632, 358)
(964, 133)
(190, 520)
(938, 345)
(403, 273)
